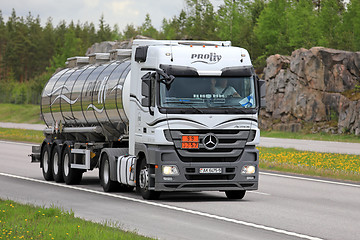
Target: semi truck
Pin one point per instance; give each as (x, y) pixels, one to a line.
(164, 116)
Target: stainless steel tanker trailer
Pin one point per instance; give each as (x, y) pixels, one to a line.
(163, 116)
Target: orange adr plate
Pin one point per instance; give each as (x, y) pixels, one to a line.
(190, 139)
(190, 145)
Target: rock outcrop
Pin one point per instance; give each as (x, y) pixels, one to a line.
(313, 86)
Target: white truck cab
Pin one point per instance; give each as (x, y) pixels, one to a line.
(174, 116)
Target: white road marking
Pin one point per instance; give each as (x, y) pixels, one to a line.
(19, 143)
(257, 192)
(310, 179)
(194, 212)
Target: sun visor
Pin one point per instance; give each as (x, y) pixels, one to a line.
(179, 70)
(245, 71)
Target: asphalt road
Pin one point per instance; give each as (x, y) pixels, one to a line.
(305, 145)
(285, 207)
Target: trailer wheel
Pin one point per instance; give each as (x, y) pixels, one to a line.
(71, 175)
(143, 183)
(237, 194)
(56, 168)
(45, 163)
(107, 184)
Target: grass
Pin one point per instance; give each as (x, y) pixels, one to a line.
(312, 136)
(20, 113)
(21, 135)
(19, 221)
(329, 165)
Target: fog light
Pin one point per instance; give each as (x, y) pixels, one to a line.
(170, 170)
(248, 169)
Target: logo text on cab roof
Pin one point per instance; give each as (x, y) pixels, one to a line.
(208, 58)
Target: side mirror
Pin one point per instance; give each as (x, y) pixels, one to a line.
(262, 93)
(141, 54)
(146, 89)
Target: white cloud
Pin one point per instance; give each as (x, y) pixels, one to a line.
(91, 3)
(119, 6)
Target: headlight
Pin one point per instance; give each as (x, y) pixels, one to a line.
(170, 170)
(248, 169)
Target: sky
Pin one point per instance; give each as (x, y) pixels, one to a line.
(120, 12)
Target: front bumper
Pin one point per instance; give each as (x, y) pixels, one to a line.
(190, 178)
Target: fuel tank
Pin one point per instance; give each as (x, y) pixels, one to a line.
(88, 95)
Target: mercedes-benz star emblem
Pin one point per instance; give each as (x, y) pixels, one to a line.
(210, 142)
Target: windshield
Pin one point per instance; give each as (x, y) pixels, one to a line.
(209, 92)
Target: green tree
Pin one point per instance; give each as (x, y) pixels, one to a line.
(147, 29)
(201, 20)
(47, 42)
(271, 28)
(329, 23)
(14, 57)
(130, 31)
(104, 33)
(301, 25)
(71, 48)
(175, 28)
(3, 41)
(234, 22)
(350, 31)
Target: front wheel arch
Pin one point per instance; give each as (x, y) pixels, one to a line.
(142, 174)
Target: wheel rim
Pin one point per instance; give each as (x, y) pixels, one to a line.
(66, 165)
(144, 175)
(106, 172)
(56, 163)
(45, 161)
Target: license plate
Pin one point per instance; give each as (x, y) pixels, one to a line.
(210, 170)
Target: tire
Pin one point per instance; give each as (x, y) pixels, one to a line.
(143, 183)
(46, 163)
(56, 168)
(107, 184)
(71, 176)
(238, 194)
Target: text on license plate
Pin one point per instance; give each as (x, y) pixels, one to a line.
(210, 170)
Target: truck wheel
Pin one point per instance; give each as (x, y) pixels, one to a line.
(237, 194)
(107, 184)
(71, 176)
(45, 163)
(143, 183)
(56, 168)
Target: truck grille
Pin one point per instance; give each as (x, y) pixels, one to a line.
(229, 145)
